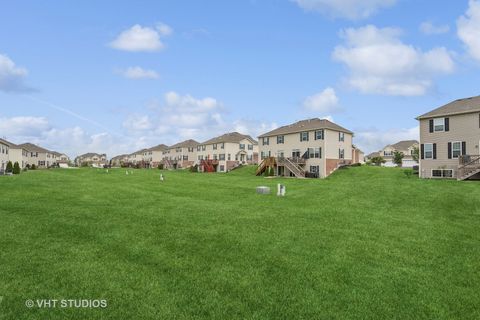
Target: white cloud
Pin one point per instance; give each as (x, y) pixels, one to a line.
(139, 73)
(323, 102)
(350, 9)
(372, 139)
(12, 78)
(139, 38)
(429, 28)
(137, 123)
(468, 29)
(23, 126)
(253, 127)
(380, 63)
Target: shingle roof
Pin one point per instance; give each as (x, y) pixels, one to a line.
(8, 143)
(459, 106)
(160, 147)
(233, 137)
(91, 154)
(120, 156)
(33, 148)
(404, 145)
(373, 155)
(185, 144)
(306, 125)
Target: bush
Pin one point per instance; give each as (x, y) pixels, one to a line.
(377, 161)
(27, 166)
(160, 166)
(194, 168)
(269, 172)
(33, 167)
(9, 167)
(16, 168)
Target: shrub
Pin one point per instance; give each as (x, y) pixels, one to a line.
(160, 166)
(16, 168)
(194, 168)
(377, 161)
(398, 158)
(9, 167)
(33, 167)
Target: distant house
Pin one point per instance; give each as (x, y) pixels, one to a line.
(156, 155)
(91, 159)
(407, 147)
(119, 161)
(450, 141)
(139, 158)
(180, 155)
(312, 147)
(358, 156)
(38, 156)
(225, 152)
(61, 158)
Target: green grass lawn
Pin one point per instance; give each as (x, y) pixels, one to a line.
(366, 243)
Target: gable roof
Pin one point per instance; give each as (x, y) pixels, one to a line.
(459, 106)
(122, 156)
(160, 147)
(373, 155)
(33, 148)
(404, 145)
(91, 154)
(306, 125)
(190, 143)
(233, 137)
(8, 143)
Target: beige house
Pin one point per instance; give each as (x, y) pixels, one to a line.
(61, 158)
(138, 158)
(313, 148)
(19, 154)
(226, 152)
(119, 161)
(407, 147)
(155, 155)
(38, 156)
(4, 154)
(91, 159)
(358, 156)
(450, 139)
(180, 155)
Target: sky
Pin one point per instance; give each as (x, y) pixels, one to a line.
(117, 76)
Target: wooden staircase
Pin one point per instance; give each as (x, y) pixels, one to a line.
(469, 166)
(293, 166)
(269, 162)
(208, 165)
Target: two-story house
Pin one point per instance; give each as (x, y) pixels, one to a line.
(181, 155)
(225, 152)
(450, 139)
(4, 154)
(156, 155)
(92, 159)
(119, 161)
(38, 156)
(407, 147)
(312, 147)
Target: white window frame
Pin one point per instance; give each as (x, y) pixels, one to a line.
(438, 122)
(425, 151)
(461, 151)
(341, 136)
(304, 136)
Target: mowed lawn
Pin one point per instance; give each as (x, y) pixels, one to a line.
(366, 243)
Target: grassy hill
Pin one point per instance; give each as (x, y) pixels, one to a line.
(368, 243)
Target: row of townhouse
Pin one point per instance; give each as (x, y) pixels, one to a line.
(312, 148)
(407, 147)
(28, 154)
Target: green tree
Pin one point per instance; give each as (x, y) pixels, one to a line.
(398, 158)
(16, 168)
(9, 167)
(377, 160)
(415, 154)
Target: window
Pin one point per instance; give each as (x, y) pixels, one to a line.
(221, 156)
(442, 173)
(319, 135)
(262, 155)
(215, 157)
(387, 153)
(222, 168)
(303, 136)
(214, 146)
(204, 147)
(314, 169)
(229, 157)
(295, 153)
(439, 124)
(280, 154)
(311, 153)
(318, 152)
(265, 141)
(280, 139)
(341, 136)
(242, 146)
(250, 147)
(222, 145)
(198, 148)
(185, 158)
(456, 149)
(428, 151)
(341, 153)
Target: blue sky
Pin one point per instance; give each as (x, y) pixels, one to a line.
(118, 76)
